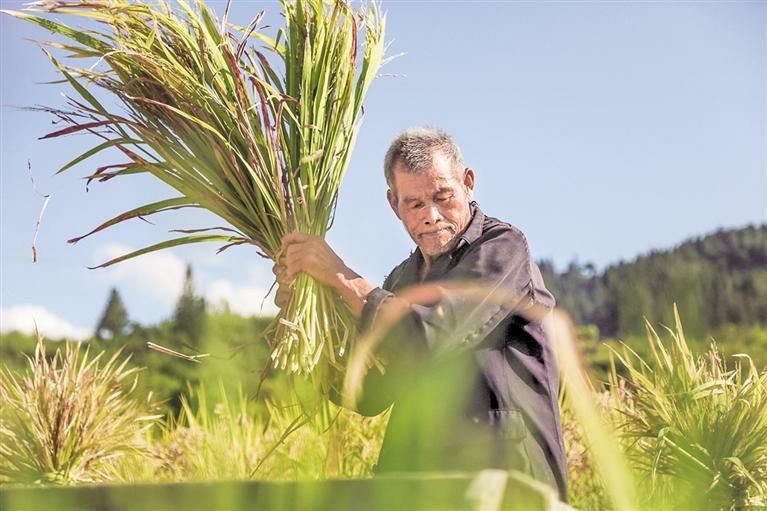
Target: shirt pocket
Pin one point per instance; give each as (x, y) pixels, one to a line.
(508, 424)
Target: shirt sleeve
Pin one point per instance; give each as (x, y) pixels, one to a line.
(505, 281)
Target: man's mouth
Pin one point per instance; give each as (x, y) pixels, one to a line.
(434, 233)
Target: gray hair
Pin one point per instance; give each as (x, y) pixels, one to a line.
(415, 148)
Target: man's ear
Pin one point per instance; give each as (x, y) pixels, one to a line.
(468, 179)
(393, 202)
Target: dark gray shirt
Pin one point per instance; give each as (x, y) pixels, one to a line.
(475, 382)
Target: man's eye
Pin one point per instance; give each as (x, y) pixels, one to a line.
(445, 198)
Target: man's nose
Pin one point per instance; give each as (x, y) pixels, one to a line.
(432, 214)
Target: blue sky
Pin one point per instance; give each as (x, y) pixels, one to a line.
(601, 129)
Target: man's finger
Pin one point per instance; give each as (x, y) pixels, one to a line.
(282, 297)
(296, 264)
(295, 249)
(293, 258)
(283, 279)
(294, 237)
(279, 273)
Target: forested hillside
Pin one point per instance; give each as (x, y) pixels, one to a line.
(717, 280)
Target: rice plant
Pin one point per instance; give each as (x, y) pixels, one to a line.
(230, 441)
(204, 444)
(697, 430)
(257, 130)
(70, 418)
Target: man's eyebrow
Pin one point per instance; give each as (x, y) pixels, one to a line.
(441, 190)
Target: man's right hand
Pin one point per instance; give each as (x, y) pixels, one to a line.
(303, 253)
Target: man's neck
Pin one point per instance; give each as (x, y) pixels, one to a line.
(428, 261)
(425, 267)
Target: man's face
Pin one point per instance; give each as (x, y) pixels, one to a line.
(433, 205)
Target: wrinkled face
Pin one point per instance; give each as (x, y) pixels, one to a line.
(433, 205)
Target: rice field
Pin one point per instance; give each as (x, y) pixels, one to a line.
(678, 431)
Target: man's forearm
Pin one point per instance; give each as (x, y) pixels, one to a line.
(353, 289)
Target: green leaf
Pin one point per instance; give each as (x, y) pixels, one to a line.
(186, 240)
(59, 28)
(97, 149)
(183, 114)
(146, 210)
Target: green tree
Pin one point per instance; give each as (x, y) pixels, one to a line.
(715, 280)
(114, 319)
(189, 317)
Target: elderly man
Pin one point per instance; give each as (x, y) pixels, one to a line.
(474, 380)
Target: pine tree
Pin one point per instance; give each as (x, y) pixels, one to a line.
(189, 317)
(114, 319)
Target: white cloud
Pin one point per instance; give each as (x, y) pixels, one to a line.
(160, 274)
(23, 318)
(245, 300)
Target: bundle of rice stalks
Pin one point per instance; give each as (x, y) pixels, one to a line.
(71, 418)
(697, 430)
(257, 130)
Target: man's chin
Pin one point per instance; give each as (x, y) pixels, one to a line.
(433, 250)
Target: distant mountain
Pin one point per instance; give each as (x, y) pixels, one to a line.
(716, 279)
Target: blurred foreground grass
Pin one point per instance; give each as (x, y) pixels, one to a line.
(690, 423)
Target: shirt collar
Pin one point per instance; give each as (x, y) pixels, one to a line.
(474, 229)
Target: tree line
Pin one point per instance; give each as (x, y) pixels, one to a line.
(716, 280)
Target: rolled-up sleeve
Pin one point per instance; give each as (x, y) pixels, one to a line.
(373, 303)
